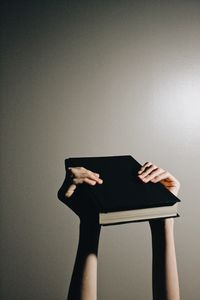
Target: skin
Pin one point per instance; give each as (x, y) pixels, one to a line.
(165, 282)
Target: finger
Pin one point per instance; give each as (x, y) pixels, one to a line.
(93, 176)
(84, 179)
(153, 175)
(90, 181)
(147, 164)
(70, 190)
(90, 177)
(148, 171)
(78, 180)
(81, 173)
(162, 176)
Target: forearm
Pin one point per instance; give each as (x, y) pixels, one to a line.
(164, 266)
(172, 282)
(84, 278)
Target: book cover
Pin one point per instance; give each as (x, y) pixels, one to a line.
(121, 190)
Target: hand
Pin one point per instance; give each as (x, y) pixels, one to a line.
(150, 172)
(84, 209)
(81, 175)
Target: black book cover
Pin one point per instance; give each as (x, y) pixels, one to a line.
(121, 188)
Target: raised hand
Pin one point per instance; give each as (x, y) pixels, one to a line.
(81, 175)
(67, 193)
(150, 172)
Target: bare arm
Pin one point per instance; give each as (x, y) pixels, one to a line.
(164, 266)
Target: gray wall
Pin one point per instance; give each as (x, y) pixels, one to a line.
(91, 78)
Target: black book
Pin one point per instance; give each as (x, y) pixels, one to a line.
(122, 197)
